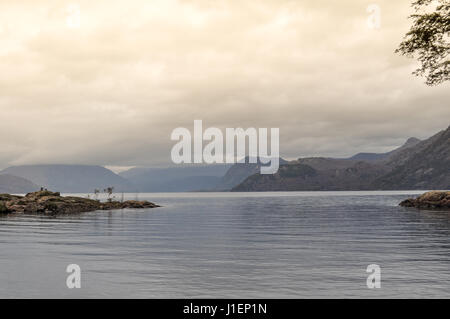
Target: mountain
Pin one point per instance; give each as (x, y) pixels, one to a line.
(71, 178)
(424, 166)
(415, 165)
(10, 184)
(185, 178)
(239, 172)
(302, 177)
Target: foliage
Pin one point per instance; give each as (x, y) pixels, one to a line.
(429, 40)
(109, 191)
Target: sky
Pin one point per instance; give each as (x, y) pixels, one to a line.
(105, 82)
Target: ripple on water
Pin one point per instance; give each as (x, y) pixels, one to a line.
(277, 245)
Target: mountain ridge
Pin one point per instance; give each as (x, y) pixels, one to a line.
(415, 165)
(410, 142)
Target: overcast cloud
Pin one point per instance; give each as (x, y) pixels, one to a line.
(111, 91)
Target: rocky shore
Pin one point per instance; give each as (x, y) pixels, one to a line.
(430, 200)
(46, 202)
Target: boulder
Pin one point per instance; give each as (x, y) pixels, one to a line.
(429, 200)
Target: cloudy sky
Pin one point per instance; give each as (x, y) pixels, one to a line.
(106, 81)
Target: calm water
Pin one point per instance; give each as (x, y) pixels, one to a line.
(275, 245)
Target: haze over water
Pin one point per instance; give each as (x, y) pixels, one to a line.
(232, 245)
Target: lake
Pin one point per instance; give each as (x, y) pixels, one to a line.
(232, 245)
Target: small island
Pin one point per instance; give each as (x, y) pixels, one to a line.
(46, 202)
(429, 200)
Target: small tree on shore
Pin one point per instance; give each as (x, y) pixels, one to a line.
(109, 191)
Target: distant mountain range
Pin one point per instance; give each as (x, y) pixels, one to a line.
(193, 177)
(415, 165)
(186, 178)
(71, 178)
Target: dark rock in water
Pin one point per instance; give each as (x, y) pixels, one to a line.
(430, 200)
(46, 202)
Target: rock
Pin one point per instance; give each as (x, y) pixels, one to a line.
(7, 197)
(3, 208)
(127, 204)
(429, 200)
(46, 202)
